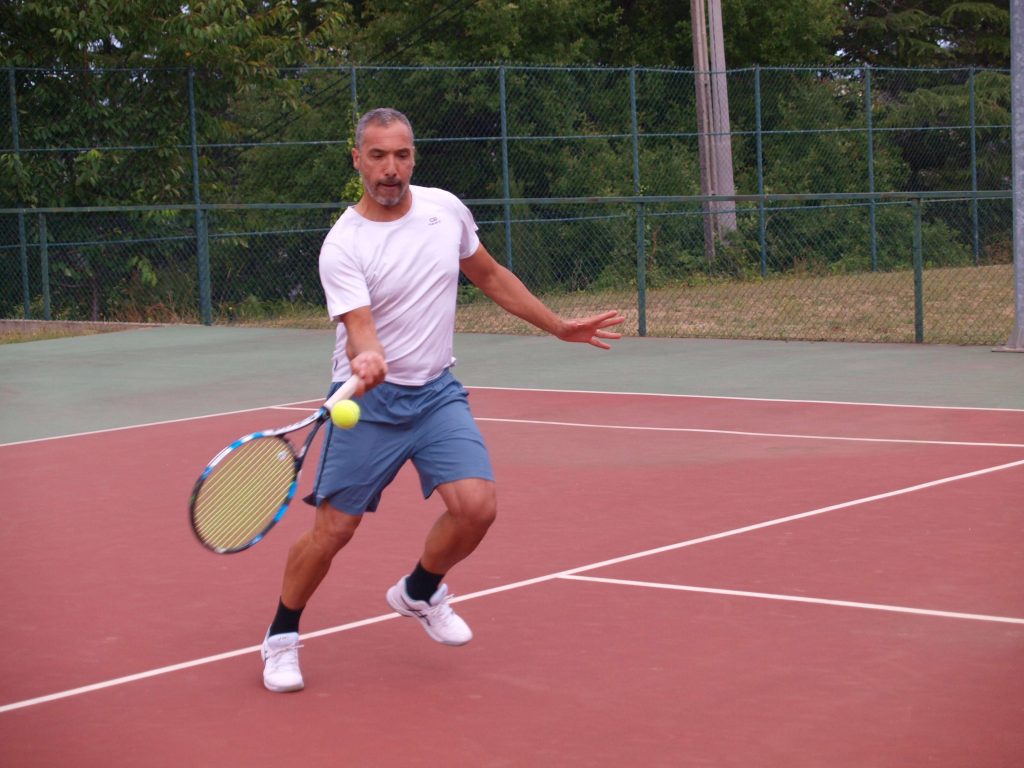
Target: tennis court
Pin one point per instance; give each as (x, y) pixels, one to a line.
(707, 554)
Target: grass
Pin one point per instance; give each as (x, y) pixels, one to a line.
(17, 331)
(968, 305)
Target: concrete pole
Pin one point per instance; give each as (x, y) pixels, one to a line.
(722, 142)
(702, 84)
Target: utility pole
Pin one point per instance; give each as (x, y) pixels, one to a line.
(702, 84)
(714, 138)
(722, 143)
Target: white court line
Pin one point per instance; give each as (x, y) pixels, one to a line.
(799, 599)
(150, 424)
(179, 667)
(527, 389)
(735, 432)
(519, 584)
(753, 434)
(755, 399)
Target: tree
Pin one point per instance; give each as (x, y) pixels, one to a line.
(926, 33)
(102, 91)
(613, 33)
(93, 55)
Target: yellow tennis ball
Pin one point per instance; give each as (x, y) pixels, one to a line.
(345, 414)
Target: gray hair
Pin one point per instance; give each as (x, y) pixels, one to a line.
(382, 116)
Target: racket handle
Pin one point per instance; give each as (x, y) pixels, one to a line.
(344, 392)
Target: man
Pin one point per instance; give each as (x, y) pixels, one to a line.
(390, 269)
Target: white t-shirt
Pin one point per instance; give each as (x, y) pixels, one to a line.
(407, 272)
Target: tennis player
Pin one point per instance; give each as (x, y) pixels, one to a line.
(390, 271)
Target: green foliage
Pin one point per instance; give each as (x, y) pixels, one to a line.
(927, 33)
(527, 31)
(790, 32)
(942, 110)
(103, 90)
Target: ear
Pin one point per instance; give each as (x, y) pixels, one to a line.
(355, 158)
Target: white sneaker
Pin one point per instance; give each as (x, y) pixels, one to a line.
(281, 671)
(437, 618)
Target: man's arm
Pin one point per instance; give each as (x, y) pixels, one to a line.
(508, 292)
(365, 353)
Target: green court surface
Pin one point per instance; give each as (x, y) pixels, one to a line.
(80, 384)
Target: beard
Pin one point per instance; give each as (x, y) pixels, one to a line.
(388, 195)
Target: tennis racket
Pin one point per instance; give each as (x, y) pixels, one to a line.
(246, 488)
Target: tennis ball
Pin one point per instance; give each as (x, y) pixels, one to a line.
(345, 414)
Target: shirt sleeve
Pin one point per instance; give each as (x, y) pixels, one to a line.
(469, 241)
(343, 281)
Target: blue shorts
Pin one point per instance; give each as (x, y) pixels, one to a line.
(430, 424)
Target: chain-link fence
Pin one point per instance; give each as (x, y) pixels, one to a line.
(793, 269)
(156, 195)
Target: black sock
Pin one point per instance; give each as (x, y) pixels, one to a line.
(421, 584)
(286, 620)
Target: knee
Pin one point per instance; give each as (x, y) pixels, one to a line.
(334, 529)
(482, 516)
(478, 509)
(470, 503)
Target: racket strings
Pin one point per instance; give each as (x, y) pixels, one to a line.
(240, 498)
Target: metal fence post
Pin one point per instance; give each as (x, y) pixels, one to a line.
(16, 147)
(915, 206)
(44, 265)
(871, 168)
(23, 253)
(1016, 340)
(202, 240)
(641, 240)
(761, 223)
(505, 181)
(974, 167)
(354, 94)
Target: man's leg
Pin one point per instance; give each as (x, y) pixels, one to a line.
(471, 507)
(310, 557)
(308, 561)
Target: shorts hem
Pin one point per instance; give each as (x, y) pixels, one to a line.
(470, 476)
(315, 501)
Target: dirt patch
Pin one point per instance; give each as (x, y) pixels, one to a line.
(12, 331)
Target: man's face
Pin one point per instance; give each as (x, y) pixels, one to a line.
(385, 162)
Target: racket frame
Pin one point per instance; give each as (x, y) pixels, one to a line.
(316, 419)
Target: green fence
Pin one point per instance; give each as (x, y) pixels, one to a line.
(796, 267)
(156, 195)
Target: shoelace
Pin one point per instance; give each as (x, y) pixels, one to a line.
(284, 657)
(442, 612)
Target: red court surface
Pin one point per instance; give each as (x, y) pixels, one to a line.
(672, 581)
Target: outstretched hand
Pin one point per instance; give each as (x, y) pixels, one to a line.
(591, 330)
